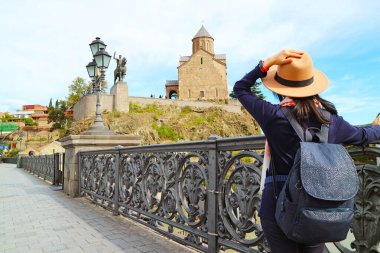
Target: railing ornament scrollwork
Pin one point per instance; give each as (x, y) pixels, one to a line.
(48, 167)
(205, 194)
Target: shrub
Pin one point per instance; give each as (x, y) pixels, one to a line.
(150, 108)
(12, 153)
(115, 113)
(186, 109)
(40, 139)
(167, 132)
(30, 122)
(198, 121)
(134, 108)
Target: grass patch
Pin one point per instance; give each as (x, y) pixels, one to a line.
(41, 139)
(167, 132)
(151, 108)
(186, 110)
(212, 117)
(198, 121)
(115, 113)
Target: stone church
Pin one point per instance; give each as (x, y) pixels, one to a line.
(202, 75)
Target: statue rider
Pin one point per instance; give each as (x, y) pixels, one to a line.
(118, 61)
(121, 68)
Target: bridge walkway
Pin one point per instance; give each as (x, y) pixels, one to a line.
(36, 217)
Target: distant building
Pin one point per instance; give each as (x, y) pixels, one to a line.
(202, 75)
(47, 149)
(38, 113)
(69, 112)
(40, 109)
(22, 114)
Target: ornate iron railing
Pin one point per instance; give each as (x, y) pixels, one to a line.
(48, 167)
(206, 193)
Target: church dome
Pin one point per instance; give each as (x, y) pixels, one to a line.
(202, 33)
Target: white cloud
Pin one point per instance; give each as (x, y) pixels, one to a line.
(45, 42)
(354, 97)
(351, 104)
(11, 105)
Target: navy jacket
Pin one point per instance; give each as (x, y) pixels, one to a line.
(282, 139)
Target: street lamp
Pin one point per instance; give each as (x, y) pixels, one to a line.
(91, 68)
(20, 136)
(96, 45)
(96, 70)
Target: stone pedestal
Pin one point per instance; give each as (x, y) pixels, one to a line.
(119, 91)
(75, 143)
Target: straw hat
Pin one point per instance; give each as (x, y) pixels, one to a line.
(296, 79)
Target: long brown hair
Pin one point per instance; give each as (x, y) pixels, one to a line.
(306, 108)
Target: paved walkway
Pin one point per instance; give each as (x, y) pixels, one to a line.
(35, 217)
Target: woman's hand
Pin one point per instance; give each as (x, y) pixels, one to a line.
(377, 120)
(283, 57)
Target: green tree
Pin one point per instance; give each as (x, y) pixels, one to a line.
(50, 104)
(58, 117)
(79, 87)
(6, 117)
(12, 153)
(30, 122)
(255, 89)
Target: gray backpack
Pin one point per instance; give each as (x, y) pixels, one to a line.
(316, 203)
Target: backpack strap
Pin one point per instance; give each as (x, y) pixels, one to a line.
(324, 134)
(303, 134)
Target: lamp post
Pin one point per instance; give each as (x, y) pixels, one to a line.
(20, 136)
(96, 70)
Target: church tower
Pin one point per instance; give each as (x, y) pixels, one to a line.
(203, 40)
(202, 75)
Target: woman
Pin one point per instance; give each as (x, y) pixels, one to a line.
(291, 76)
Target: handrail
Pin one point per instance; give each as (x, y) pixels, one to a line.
(204, 194)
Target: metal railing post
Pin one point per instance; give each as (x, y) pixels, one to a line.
(212, 212)
(116, 194)
(57, 169)
(46, 164)
(63, 171)
(80, 175)
(54, 170)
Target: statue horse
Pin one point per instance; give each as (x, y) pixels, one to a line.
(120, 71)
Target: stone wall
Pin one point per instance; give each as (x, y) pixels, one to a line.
(231, 106)
(119, 100)
(85, 107)
(116, 100)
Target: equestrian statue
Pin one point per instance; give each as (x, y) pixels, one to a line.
(121, 68)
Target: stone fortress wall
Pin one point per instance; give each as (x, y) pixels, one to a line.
(118, 99)
(231, 105)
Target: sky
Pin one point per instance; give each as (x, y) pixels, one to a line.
(45, 44)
